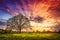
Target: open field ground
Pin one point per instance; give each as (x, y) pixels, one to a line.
(30, 36)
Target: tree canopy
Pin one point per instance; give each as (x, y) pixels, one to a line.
(18, 22)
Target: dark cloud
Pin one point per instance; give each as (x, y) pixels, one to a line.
(38, 19)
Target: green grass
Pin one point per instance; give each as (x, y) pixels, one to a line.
(30, 36)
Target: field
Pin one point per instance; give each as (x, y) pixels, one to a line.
(30, 36)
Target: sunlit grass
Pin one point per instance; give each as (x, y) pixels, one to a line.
(30, 36)
(34, 34)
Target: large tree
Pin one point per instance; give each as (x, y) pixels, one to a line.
(18, 22)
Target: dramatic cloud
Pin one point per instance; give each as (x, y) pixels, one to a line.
(47, 12)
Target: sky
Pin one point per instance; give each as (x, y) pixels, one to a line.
(46, 12)
(3, 15)
(10, 8)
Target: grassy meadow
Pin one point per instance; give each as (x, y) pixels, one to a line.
(30, 36)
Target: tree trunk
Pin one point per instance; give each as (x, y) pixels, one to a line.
(19, 27)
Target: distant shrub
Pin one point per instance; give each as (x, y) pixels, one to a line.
(5, 31)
